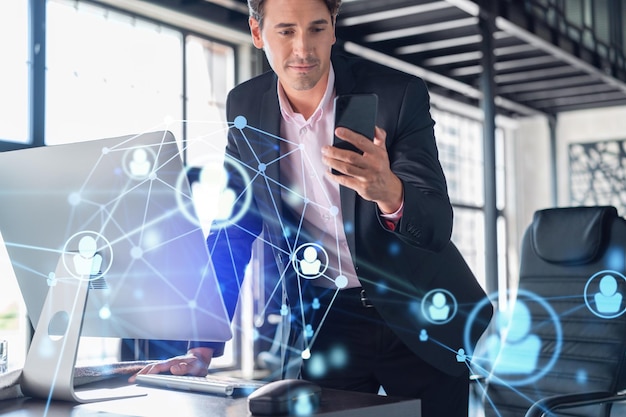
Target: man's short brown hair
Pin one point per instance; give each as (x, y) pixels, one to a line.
(257, 12)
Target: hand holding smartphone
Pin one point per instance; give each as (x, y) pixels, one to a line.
(356, 112)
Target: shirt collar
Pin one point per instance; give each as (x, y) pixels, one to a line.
(291, 116)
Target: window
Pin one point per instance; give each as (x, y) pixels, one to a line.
(460, 143)
(108, 73)
(14, 80)
(122, 75)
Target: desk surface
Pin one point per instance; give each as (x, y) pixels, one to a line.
(162, 402)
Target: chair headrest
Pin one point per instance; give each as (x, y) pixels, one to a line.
(571, 235)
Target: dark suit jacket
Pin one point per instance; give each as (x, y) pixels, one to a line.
(397, 268)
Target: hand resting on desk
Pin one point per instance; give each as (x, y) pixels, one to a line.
(196, 362)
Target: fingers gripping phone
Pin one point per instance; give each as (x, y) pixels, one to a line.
(356, 112)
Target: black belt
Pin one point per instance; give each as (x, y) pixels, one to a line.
(350, 295)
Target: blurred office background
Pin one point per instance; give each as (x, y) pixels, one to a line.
(529, 99)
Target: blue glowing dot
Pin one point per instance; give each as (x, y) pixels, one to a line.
(381, 287)
(414, 307)
(105, 150)
(306, 201)
(334, 211)
(348, 227)
(192, 304)
(316, 365)
(303, 405)
(74, 199)
(138, 294)
(615, 259)
(152, 176)
(240, 122)
(394, 248)
(262, 167)
(581, 376)
(338, 357)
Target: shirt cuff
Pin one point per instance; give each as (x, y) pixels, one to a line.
(391, 220)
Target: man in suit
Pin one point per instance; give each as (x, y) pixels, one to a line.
(381, 226)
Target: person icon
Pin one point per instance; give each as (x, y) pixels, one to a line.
(308, 331)
(461, 356)
(213, 187)
(439, 310)
(316, 304)
(139, 165)
(52, 279)
(87, 261)
(423, 335)
(608, 300)
(310, 264)
(513, 350)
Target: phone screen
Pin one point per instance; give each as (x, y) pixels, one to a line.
(356, 112)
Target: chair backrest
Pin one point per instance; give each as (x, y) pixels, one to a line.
(567, 326)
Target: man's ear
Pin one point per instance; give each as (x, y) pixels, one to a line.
(255, 31)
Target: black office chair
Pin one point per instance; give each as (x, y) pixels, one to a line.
(566, 344)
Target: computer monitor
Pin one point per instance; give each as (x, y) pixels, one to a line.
(104, 241)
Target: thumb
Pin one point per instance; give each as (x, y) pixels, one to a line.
(380, 137)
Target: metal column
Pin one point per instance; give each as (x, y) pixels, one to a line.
(37, 70)
(487, 87)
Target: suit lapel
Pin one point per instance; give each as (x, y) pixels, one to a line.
(270, 154)
(345, 84)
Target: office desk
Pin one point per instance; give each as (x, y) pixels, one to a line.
(161, 402)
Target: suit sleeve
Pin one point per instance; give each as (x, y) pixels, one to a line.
(230, 245)
(427, 216)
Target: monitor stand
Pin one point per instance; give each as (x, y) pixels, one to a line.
(49, 368)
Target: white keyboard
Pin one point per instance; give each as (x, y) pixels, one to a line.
(211, 384)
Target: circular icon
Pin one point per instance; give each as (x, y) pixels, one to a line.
(306, 260)
(86, 262)
(217, 193)
(138, 163)
(529, 366)
(439, 306)
(604, 294)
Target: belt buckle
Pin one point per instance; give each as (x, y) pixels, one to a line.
(365, 301)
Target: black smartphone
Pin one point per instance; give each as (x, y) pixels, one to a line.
(356, 112)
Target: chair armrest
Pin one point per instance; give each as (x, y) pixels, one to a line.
(545, 405)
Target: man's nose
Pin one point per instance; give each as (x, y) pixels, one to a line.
(302, 45)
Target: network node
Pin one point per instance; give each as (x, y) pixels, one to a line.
(306, 354)
(341, 281)
(136, 252)
(74, 199)
(240, 122)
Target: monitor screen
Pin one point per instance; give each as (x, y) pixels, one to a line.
(118, 213)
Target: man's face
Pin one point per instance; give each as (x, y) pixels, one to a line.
(297, 37)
